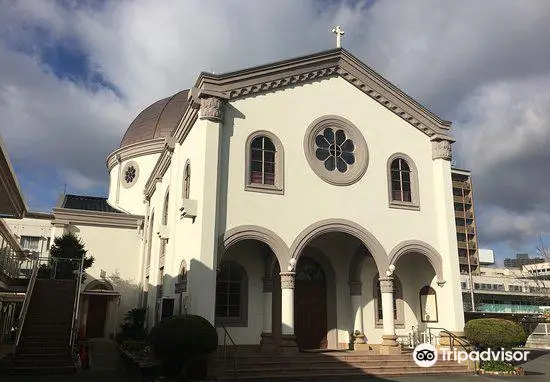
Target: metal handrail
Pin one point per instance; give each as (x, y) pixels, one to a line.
(76, 305)
(26, 303)
(453, 338)
(225, 336)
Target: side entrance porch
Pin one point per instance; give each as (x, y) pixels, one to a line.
(338, 290)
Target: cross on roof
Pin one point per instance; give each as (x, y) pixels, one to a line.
(339, 32)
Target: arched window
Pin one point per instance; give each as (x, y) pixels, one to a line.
(264, 163)
(165, 209)
(181, 287)
(150, 238)
(397, 302)
(428, 304)
(163, 240)
(231, 295)
(403, 182)
(186, 180)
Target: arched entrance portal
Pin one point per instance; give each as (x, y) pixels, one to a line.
(310, 305)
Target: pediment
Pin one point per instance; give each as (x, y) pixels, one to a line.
(337, 62)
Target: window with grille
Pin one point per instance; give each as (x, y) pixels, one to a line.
(401, 181)
(262, 161)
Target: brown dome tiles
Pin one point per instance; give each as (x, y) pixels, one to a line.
(157, 121)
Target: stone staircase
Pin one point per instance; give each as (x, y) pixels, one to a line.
(44, 343)
(253, 365)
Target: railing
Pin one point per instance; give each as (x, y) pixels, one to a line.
(234, 346)
(452, 339)
(26, 302)
(511, 308)
(76, 305)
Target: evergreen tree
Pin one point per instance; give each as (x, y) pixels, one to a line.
(67, 251)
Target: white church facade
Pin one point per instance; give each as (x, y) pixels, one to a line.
(302, 204)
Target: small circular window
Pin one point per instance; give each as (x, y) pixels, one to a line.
(336, 150)
(130, 173)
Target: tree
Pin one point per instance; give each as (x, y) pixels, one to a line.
(67, 252)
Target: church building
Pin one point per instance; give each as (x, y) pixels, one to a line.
(302, 204)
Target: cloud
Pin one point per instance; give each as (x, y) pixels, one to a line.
(481, 64)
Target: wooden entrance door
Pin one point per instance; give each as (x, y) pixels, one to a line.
(97, 314)
(310, 305)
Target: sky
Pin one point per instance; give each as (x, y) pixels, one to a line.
(74, 74)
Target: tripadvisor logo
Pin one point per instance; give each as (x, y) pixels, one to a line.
(426, 355)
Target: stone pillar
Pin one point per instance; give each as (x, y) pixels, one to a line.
(451, 318)
(267, 343)
(358, 336)
(288, 339)
(202, 280)
(389, 339)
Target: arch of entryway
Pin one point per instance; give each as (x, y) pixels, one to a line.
(253, 232)
(319, 228)
(368, 241)
(419, 247)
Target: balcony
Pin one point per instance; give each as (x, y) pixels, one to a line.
(464, 185)
(465, 229)
(464, 215)
(511, 308)
(470, 245)
(462, 199)
(463, 260)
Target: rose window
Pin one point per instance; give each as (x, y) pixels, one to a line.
(335, 150)
(130, 174)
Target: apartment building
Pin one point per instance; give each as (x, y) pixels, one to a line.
(33, 232)
(521, 260)
(466, 234)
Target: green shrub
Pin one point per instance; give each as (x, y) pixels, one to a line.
(180, 341)
(133, 326)
(494, 333)
(497, 366)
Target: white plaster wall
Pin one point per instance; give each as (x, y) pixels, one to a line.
(185, 235)
(308, 199)
(116, 251)
(130, 199)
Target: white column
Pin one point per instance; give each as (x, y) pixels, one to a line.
(288, 340)
(388, 334)
(357, 311)
(202, 280)
(449, 290)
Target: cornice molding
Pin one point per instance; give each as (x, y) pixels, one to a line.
(153, 146)
(327, 64)
(96, 218)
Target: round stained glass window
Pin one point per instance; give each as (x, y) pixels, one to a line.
(336, 150)
(130, 173)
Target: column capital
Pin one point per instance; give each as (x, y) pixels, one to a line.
(441, 149)
(386, 284)
(355, 288)
(287, 280)
(212, 108)
(268, 284)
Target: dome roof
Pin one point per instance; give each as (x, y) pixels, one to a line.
(157, 121)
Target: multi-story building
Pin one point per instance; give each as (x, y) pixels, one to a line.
(521, 260)
(463, 197)
(33, 232)
(503, 291)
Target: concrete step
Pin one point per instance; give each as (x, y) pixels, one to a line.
(41, 370)
(319, 364)
(309, 375)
